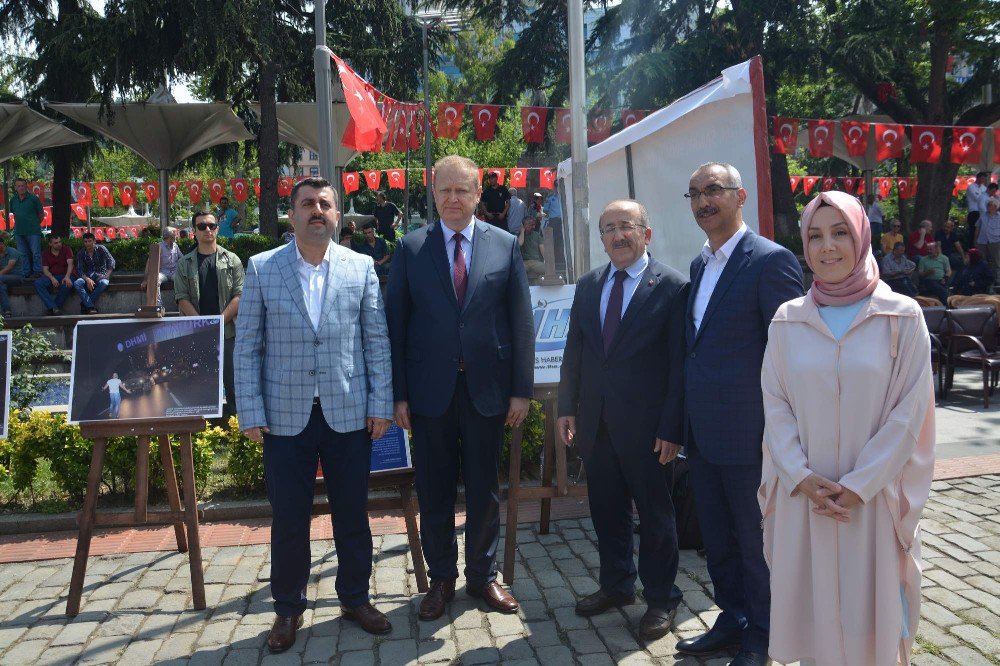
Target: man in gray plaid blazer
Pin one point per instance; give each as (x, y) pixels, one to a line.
(314, 382)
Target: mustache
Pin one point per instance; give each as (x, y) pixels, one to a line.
(707, 210)
(621, 243)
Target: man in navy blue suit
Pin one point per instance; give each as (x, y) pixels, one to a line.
(621, 400)
(737, 283)
(462, 338)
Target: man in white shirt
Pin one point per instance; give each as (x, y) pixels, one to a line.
(170, 254)
(515, 215)
(114, 387)
(876, 217)
(975, 202)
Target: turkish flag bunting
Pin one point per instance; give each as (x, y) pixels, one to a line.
(861, 187)
(925, 143)
(38, 189)
(547, 178)
(256, 187)
(966, 181)
(884, 186)
(397, 178)
(425, 175)
(172, 189)
(350, 180)
(239, 188)
(794, 182)
(285, 184)
(855, 135)
(82, 193)
(449, 119)
(416, 127)
(632, 116)
(563, 132)
(401, 136)
(105, 195)
(484, 121)
(599, 127)
(849, 184)
(126, 193)
(996, 146)
(216, 190)
(888, 141)
(194, 188)
(967, 144)
(786, 135)
(533, 120)
(499, 174)
(828, 183)
(373, 178)
(808, 183)
(151, 190)
(47, 216)
(821, 138)
(518, 177)
(905, 188)
(80, 211)
(367, 124)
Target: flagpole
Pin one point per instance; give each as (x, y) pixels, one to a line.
(324, 95)
(578, 141)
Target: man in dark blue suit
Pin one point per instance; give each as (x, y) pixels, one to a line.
(621, 401)
(737, 283)
(462, 338)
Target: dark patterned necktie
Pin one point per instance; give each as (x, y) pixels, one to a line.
(613, 316)
(460, 272)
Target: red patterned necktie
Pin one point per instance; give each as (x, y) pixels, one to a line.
(460, 273)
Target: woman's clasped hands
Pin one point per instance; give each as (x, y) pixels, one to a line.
(831, 498)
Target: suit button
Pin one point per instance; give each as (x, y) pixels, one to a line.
(312, 372)
(316, 343)
(461, 325)
(693, 354)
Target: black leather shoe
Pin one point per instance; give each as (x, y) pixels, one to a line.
(712, 641)
(747, 658)
(436, 600)
(599, 602)
(282, 634)
(656, 623)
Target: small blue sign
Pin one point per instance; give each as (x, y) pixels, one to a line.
(391, 451)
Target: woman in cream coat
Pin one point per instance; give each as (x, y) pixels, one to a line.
(848, 453)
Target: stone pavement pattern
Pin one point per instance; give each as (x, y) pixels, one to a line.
(136, 608)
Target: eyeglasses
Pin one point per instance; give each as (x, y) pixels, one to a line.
(710, 192)
(207, 225)
(625, 228)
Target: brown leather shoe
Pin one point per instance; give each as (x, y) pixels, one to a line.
(282, 634)
(495, 597)
(656, 623)
(370, 618)
(599, 602)
(436, 600)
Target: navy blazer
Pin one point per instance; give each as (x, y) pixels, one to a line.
(638, 384)
(725, 407)
(493, 332)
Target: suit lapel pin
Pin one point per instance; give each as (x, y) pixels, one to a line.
(651, 282)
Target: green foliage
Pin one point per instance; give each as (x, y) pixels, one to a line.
(31, 351)
(245, 464)
(533, 440)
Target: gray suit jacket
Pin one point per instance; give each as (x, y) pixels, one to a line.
(280, 358)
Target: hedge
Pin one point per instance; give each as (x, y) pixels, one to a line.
(131, 253)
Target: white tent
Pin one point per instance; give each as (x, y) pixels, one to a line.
(723, 121)
(23, 130)
(298, 123)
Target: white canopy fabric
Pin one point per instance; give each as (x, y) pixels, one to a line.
(298, 123)
(162, 134)
(23, 130)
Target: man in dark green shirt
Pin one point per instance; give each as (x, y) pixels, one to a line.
(28, 214)
(10, 272)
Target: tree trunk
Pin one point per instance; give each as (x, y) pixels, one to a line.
(62, 173)
(783, 201)
(267, 144)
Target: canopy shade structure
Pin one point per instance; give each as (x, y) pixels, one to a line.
(23, 130)
(298, 123)
(162, 134)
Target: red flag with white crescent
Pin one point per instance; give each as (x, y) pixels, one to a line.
(794, 182)
(533, 123)
(599, 127)
(83, 196)
(808, 183)
(350, 180)
(849, 184)
(564, 134)
(256, 187)
(884, 187)
(449, 119)
(239, 188)
(855, 135)
(194, 188)
(821, 138)
(172, 189)
(925, 143)
(80, 211)
(967, 144)
(105, 195)
(786, 135)
(47, 216)
(285, 185)
(888, 141)
(367, 128)
(518, 177)
(861, 187)
(484, 121)
(904, 186)
(126, 193)
(216, 190)
(38, 189)
(151, 190)
(396, 178)
(373, 178)
(547, 178)
(499, 173)
(632, 116)
(828, 183)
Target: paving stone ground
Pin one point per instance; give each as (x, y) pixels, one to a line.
(137, 608)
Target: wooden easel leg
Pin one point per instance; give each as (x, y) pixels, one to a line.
(173, 494)
(141, 478)
(86, 527)
(513, 498)
(191, 518)
(413, 536)
(548, 449)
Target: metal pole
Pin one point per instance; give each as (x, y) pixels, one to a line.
(406, 196)
(578, 142)
(428, 157)
(164, 198)
(324, 94)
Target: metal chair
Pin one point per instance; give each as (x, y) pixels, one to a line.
(972, 343)
(937, 326)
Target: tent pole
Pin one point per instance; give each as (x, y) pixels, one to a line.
(324, 95)
(164, 198)
(578, 143)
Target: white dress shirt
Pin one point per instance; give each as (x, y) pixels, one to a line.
(449, 245)
(715, 263)
(313, 281)
(629, 285)
(975, 198)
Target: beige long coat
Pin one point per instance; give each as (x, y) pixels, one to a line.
(861, 413)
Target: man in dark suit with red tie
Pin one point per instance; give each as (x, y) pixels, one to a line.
(462, 338)
(621, 402)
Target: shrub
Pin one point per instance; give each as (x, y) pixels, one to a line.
(31, 351)
(533, 441)
(245, 464)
